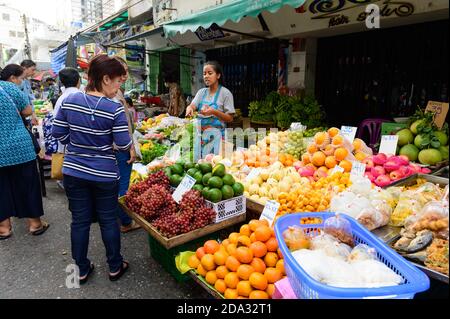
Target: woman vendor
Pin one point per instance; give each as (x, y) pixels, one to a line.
(215, 103)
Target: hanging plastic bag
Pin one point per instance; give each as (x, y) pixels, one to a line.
(339, 228)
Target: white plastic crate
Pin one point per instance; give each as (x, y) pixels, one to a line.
(228, 208)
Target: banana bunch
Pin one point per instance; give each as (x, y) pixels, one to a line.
(135, 177)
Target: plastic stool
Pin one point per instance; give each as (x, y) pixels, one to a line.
(373, 127)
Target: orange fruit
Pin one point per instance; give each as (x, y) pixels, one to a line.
(357, 144)
(225, 243)
(263, 233)
(253, 224)
(233, 237)
(244, 271)
(208, 262)
(346, 165)
(306, 158)
(320, 138)
(253, 237)
(231, 249)
(338, 140)
(232, 263)
(270, 289)
(244, 288)
(272, 244)
(360, 156)
(230, 294)
(271, 259)
(280, 255)
(329, 150)
(258, 265)
(193, 261)
(200, 253)
(258, 281)
(220, 257)
(220, 286)
(245, 230)
(264, 222)
(258, 294)
(280, 266)
(244, 255)
(258, 248)
(244, 241)
(330, 162)
(318, 159)
(211, 246)
(221, 272)
(332, 132)
(312, 148)
(241, 297)
(340, 154)
(273, 275)
(201, 270)
(231, 280)
(211, 277)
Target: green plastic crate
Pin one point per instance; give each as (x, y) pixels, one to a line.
(392, 128)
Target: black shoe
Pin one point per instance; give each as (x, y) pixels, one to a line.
(4, 237)
(85, 280)
(123, 270)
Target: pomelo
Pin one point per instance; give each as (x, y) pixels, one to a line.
(442, 137)
(444, 152)
(411, 151)
(405, 136)
(430, 156)
(414, 126)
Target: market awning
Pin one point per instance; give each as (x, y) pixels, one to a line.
(233, 11)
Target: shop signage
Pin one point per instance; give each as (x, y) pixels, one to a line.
(441, 110)
(270, 211)
(388, 144)
(335, 10)
(213, 32)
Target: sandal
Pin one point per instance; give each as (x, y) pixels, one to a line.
(41, 230)
(85, 279)
(132, 227)
(3, 237)
(122, 271)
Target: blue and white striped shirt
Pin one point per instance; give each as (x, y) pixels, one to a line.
(90, 153)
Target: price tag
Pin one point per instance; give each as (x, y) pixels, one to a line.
(349, 132)
(270, 211)
(388, 144)
(185, 186)
(440, 109)
(336, 169)
(254, 172)
(358, 169)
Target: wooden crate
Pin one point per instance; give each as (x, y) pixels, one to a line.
(254, 209)
(169, 243)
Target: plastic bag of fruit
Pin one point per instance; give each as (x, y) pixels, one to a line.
(359, 146)
(407, 205)
(339, 228)
(362, 252)
(428, 192)
(295, 238)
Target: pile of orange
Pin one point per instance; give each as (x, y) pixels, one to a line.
(331, 149)
(245, 265)
(313, 197)
(286, 159)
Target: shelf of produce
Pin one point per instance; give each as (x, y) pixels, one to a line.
(169, 243)
(199, 280)
(411, 180)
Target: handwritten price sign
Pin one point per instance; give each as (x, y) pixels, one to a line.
(388, 144)
(440, 109)
(270, 211)
(349, 132)
(358, 169)
(185, 186)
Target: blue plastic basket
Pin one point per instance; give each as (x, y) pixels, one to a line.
(305, 287)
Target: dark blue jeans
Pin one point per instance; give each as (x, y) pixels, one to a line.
(125, 174)
(85, 199)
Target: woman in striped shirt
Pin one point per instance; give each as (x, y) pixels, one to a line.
(90, 123)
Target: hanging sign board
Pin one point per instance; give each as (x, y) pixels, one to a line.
(213, 32)
(441, 110)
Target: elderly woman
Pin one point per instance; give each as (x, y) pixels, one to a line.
(20, 188)
(89, 124)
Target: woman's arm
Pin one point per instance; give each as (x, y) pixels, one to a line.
(27, 111)
(227, 118)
